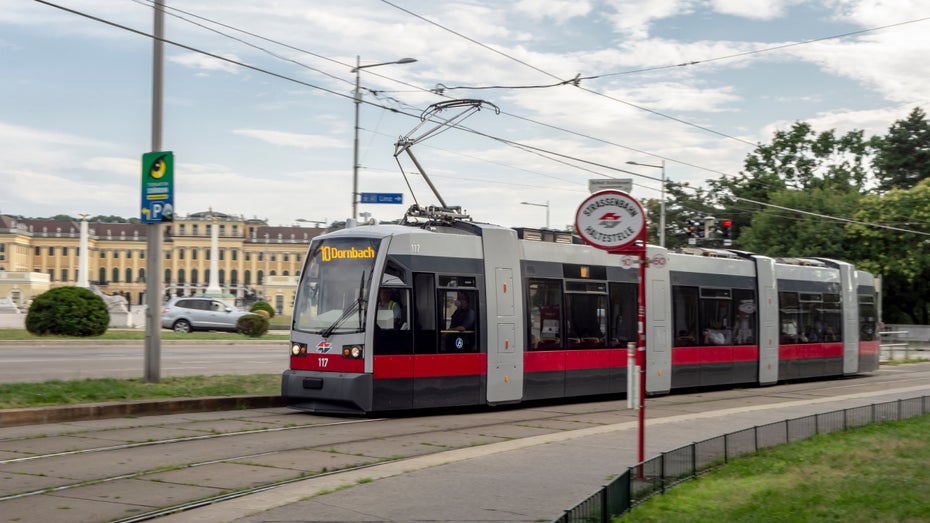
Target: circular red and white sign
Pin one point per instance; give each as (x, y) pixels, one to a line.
(610, 219)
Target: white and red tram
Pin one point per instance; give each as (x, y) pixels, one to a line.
(554, 318)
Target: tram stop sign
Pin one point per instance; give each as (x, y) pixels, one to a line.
(157, 187)
(610, 220)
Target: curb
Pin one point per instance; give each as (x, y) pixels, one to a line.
(92, 411)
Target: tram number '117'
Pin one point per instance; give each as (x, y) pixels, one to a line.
(323, 362)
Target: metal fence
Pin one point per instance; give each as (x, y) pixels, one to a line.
(653, 476)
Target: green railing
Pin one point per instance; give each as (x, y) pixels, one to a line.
(653, 476)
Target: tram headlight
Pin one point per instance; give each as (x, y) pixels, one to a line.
(298, 349)
(353, 352)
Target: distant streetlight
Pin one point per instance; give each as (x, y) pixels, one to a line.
(316, 223)
(358, 101)
(661, 200)
(546, 205)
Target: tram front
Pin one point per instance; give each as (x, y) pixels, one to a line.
(330, 368)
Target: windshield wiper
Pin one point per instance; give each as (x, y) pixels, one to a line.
(327, 332)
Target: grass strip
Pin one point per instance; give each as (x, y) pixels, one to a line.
(874, 473)
(58, 392)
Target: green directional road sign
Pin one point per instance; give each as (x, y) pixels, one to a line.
(158, 187)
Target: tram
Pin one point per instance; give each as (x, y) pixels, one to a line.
(381, 318)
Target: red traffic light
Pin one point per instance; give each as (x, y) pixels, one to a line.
(727, 223)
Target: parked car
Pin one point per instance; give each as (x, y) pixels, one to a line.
(190, 314)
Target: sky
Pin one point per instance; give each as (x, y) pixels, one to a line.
(258, 104)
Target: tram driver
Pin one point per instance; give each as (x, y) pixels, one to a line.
(389, 314)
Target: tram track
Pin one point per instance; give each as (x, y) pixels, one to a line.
(350, 441)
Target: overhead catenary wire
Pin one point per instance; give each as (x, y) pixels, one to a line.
(314, 86)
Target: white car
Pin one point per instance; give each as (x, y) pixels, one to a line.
(190, 314)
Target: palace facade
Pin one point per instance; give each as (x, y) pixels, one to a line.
(255, 260)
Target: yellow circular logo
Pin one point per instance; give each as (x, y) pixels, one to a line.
(158, 168)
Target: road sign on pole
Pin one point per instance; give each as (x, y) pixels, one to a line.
(603, 184)
(157, 187)
(381, 197)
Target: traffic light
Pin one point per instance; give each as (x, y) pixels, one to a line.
(725, 225)
(692, 229)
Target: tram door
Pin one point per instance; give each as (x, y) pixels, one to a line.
(504, 313)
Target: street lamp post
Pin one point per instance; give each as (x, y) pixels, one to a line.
(546, 205)
(358, 101)
(661, 199)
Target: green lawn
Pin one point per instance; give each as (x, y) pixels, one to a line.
(139, 334)
(875, 473)
(56, 392)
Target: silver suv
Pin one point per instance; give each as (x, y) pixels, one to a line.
(189, 314)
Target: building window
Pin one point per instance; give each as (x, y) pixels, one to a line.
(194, 254)
(128, 275)
(222, 230)
(194, 277)
(38, 251)
(181, 254)
(181, 277)
(102, 275)
(194, 229)
(248, 278)
(222, 278)
(235, 230)
(233, 276)
(51, 251)
(103, 253)
(248, 256)
(51, 275)
(287, 257)
(64, 251)
(167, 275)
(115, 253)
(206, 254)
(261, 256)
(115, 274)
(259, 277)
(274, 256)
(128, 253)
(180, 229)
(141, 255)
(168, 255)
(235, 255)
(142, 275)
(222, 254)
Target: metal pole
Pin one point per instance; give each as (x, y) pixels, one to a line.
(547, 214)
(153, 230)
(662, 210)
(641, 349)
(358, 102)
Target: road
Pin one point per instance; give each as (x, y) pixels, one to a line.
(22, 362)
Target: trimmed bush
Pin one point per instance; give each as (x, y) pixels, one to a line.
(68, 311)
(263, 306)
(253, 325)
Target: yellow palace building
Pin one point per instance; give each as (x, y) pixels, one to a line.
(255, 260)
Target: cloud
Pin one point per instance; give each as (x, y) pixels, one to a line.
(301, 141)
(754, 9)
(558, 10)
(207, 63)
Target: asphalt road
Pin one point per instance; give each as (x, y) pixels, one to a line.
(23, 362)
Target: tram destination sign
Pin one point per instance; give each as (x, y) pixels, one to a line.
(610, 220)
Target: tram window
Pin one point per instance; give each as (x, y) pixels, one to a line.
(544, 303)
(867, 318)
(392, 327)
(685, 306)
(828, 318)
(586, 319)
(424, 314)
(623, 315)
(716, 316)
(789, 316)
(745, 324)
(460, 320)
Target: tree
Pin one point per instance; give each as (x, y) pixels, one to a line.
(903, 155)
(798, 160)
(899, 255)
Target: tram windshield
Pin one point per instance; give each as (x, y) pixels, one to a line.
(332, 295)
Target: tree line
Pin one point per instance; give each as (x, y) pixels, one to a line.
(809, 193)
